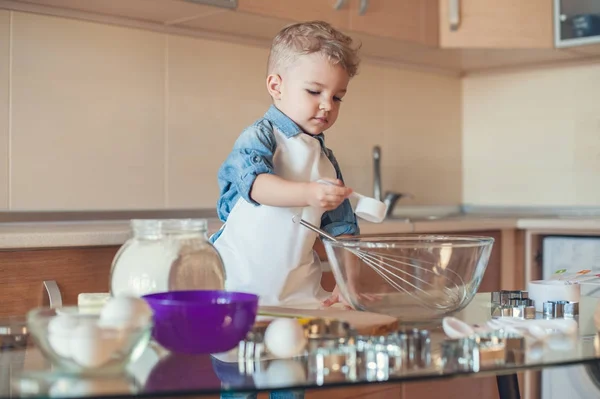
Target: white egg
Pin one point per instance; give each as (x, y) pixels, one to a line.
(92, 347)
(60, 329)
(125, 312)
(285, 338)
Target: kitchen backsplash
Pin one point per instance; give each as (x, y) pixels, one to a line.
(94, 116)
(98, 117)
(532, 137)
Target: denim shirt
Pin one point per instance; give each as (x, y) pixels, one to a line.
(252, 155)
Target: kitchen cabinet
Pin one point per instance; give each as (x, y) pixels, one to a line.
(478, 35)
(75, 270)
(304, 10)
(460, 24)
(576, 22)
(496, 24)
(411, 21)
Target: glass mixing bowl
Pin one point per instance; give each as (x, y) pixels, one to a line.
(79, 340)
(415, 278)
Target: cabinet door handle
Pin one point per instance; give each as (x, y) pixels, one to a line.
(454, 14)
(53, 296)
(364, 4)
(339, 4)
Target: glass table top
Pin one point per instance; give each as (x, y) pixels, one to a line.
(25, 373)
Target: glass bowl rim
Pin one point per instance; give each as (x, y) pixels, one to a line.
(410, 241)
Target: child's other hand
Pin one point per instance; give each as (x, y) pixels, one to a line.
(327, 196)
(336, 297)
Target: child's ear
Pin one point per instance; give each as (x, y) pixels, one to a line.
(274, 86)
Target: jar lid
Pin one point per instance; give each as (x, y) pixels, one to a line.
(156, 227)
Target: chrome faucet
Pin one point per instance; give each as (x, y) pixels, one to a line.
(390, 197)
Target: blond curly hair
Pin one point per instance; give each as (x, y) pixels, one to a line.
(312, 37)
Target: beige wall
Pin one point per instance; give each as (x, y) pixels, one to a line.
(532, 138)
(4, 108)
(105, 117)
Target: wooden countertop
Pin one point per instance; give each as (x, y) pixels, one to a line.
(103, 233)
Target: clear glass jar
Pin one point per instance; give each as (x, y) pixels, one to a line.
(166, 255)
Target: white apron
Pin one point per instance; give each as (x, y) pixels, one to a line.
(264, 252)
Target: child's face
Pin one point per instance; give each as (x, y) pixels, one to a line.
(310, 92)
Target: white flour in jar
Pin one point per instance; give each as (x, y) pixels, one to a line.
(143, 267)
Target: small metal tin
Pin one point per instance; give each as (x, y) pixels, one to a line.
(425, 339)
(548, 308)
(518, 311)
(529, 312)
(571, 309)
(460, 354)
(514, 344)
(491, 351)
(559, 308)
(496, 297)
(504, 298)
(327, 329)
(506, 312)
(516, 294)
(414, 347)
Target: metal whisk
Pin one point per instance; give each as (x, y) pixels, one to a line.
(445, 292)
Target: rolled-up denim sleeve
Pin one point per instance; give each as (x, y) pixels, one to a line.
(251, 156)
(341, 220)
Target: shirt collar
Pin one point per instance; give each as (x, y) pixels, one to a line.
(288, 127)
(282, 122)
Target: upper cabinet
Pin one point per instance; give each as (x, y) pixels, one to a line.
(449, 35)
(496, 24)
(335, 12)
(405, 20)
(577, 22)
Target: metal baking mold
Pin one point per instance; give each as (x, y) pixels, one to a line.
(515, 303)
(251, 349)
(560, 309)
(571, 309)
(461, 354)
(327, 329)
(503, 297)
(514, 344)
(404, 350)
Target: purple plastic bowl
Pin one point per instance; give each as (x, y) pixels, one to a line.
(196, 322)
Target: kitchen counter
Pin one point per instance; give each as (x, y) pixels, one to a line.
(115, 232)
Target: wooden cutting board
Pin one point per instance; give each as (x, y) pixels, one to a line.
(365, 323)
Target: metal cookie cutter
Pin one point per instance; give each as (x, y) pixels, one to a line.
(373, 357)
(503, 297)
(512, 304)
(327, 333)
(460, 354)
(571, 309)
(331, 352)
(414, 347)
(560, 309)
(251, 350)
(514, 344)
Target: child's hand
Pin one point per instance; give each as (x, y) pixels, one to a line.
(327, 196)
(336, 297)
